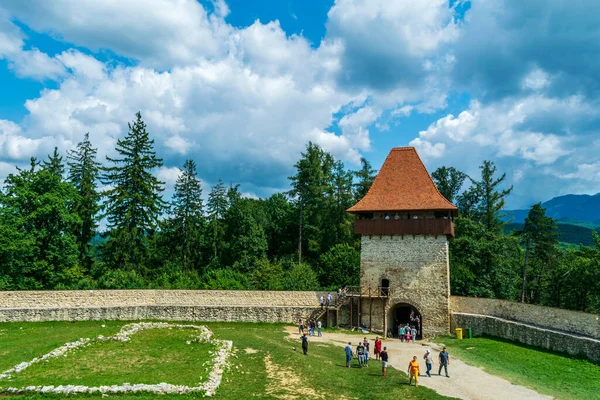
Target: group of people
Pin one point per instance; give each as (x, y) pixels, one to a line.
(312, 325)
(407, 333)
(341, 293)
(414, 370)
(363, 351)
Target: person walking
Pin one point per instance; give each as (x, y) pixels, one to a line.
(322, 301)
(304, 344)
(428, 361)
(401, 334)
(407, 336)
(377, 349)
(319, 328)
(367, 350)
(444, 362)
(384, 361)
(413, 371)
(360, 354)
(413, 333)
(300, 327)
(348, 350)
(329, 300)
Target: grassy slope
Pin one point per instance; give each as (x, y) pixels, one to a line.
(548, 373)
(322, 374)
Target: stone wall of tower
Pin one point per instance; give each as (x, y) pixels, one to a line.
(418, 271)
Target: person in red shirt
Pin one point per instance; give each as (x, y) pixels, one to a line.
(377, 348)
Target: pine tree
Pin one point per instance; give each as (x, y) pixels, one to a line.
(188, 215)
(83, 174)
(134, 202)
(366, 176)
(217, 205)
(448, 181)
(539, 237)
(342, 200)
(312, 188)
(55, 164)
(491, 199)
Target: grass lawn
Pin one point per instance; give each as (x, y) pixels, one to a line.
(23, 341)
(152, 356)
(558, 375)
(266, 367)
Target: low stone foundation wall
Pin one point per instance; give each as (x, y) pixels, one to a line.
(158, 312)
(554, 340)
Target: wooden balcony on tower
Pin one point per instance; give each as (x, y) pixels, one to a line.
(404, 227)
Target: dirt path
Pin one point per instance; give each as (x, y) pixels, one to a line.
(465, 382)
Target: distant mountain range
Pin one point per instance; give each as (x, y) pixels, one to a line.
(572, 209)
(577, 215)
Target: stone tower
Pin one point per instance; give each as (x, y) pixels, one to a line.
(405, 224)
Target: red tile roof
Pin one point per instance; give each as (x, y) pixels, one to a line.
(403, 184)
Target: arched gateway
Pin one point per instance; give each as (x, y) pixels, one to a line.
(405, 224)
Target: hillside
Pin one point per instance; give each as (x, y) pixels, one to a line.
(572, 234)
(571, 209)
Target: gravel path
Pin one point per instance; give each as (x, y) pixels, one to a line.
(465, 382)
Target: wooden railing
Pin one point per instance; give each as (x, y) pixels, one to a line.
(404, 227)
(379, 291)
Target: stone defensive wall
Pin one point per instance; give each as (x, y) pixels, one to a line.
(566, 331)
(181, 305)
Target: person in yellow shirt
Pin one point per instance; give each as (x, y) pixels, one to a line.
(413, 371)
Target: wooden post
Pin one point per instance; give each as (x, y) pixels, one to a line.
(371, 314)
(384, 318)
(359, 307)
(351, 306)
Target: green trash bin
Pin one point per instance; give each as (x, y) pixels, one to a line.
(469, 333)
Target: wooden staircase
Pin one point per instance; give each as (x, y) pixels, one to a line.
(351, 293)
(318, 313)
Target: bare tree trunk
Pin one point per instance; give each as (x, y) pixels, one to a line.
(524, 288)
(300, 238)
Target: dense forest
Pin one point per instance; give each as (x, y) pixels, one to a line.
(299, 240)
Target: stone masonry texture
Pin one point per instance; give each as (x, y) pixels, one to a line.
(169, 313)
(547, 317)
(107, 298)
(554, 340)
(418, 272)
(184, 305)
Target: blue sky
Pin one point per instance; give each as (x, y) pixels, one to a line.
(241, 86)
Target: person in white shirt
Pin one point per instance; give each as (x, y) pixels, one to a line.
(319, 328)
